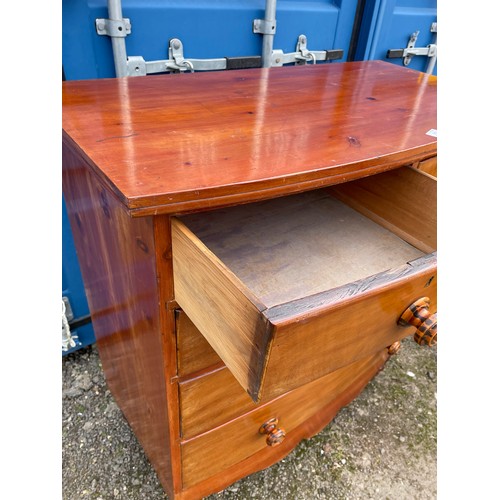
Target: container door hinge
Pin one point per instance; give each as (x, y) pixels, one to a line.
(117, 28)
(410, 51)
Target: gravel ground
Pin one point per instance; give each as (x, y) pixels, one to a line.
(381, 446)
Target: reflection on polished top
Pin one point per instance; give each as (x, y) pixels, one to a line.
(171, 143)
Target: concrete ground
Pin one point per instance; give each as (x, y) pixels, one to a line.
(381, 446)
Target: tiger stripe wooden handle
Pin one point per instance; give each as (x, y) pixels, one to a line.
(275, 434)
(418, 315)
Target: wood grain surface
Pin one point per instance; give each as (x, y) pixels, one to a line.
(170, 143)
(118, 263)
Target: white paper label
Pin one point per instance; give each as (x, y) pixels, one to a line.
(432, 132)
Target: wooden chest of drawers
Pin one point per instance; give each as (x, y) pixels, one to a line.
(254, 244)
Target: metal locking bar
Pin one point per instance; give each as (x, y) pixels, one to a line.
(303, 55)
(137, 66)
(410, 51)
(177, 63)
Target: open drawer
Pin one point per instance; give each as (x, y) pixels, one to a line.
(290, 289)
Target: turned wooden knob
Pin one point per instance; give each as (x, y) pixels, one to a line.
(418, 315)
(394, 348)
(275, 435)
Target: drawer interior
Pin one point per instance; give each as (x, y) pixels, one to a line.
(194, 353)
(288, 248)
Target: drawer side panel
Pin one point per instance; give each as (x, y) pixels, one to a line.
(229, 317)
(118, 263)
(402, 200)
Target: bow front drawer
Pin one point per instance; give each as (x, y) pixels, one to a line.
(290, 289)
(276, 425)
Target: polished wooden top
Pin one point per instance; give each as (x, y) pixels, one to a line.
(179, 142)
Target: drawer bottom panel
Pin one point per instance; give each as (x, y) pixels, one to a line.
(218, 449)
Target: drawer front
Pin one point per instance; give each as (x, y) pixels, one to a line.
(211, 400)
(194, 353)
(254, 298)
(349, 327)
(224, 446)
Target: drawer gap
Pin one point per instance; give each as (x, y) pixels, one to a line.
(202, 373)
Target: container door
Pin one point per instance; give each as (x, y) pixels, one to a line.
(391, 25)
(206, 28)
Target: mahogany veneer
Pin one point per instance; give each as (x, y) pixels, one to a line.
(251, 243)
